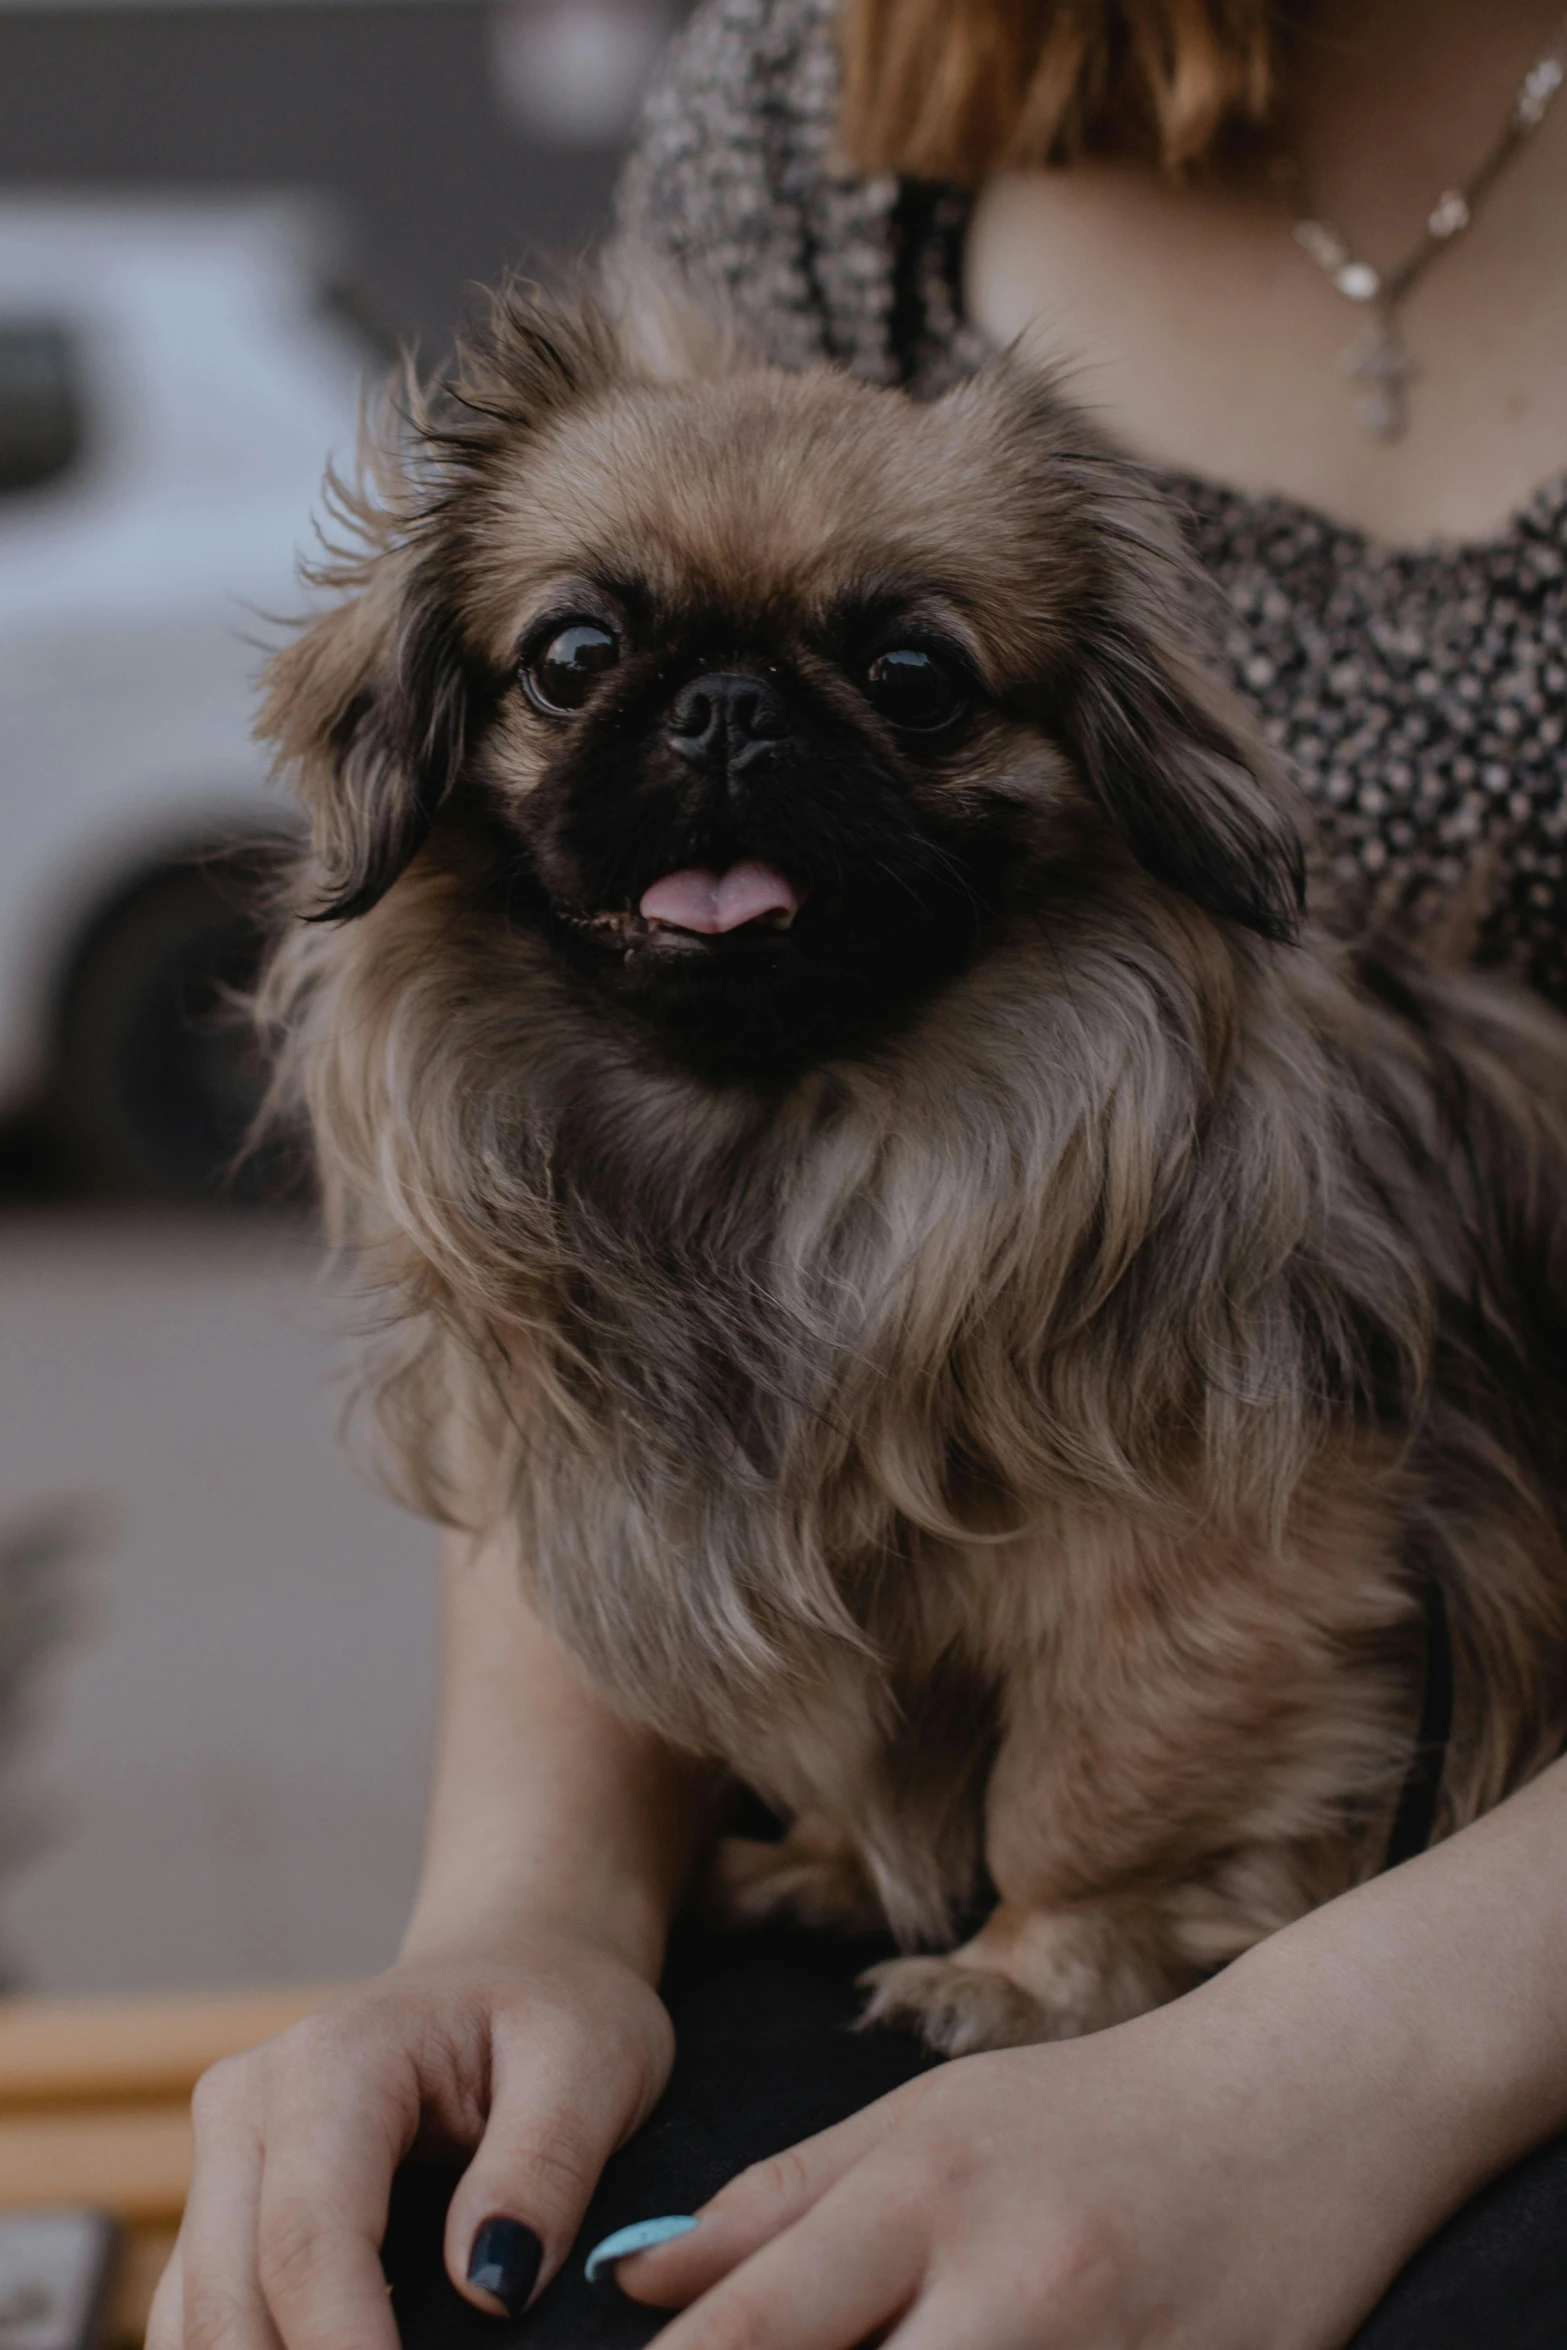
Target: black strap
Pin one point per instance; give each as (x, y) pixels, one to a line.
(1416, 1814)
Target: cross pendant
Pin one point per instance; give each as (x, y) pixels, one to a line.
(1381, 361)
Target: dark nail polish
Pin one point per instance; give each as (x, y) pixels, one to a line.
(505, 2261)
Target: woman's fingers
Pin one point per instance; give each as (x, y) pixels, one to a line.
(555, 2117)
(166, 2317)
(966, 2313)
(210, 2297)
(754, 2208)
(333, 2140)
(851, 2266)
(297, 2144)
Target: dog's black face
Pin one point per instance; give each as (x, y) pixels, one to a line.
(763, 698)
(749, 834)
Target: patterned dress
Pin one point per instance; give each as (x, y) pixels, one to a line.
(1421, 694)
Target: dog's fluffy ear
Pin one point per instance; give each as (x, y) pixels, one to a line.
(1177, 764)
(367, 709)
(372, 708)
(1172, 756)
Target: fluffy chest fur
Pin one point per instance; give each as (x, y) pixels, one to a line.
(1020, 1372)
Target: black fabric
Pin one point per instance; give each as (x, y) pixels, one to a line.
(766, 2058)
(1496, 2276)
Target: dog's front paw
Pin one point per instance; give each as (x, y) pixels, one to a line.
(1030, 1975)
(812, 1878)
(954, 2009)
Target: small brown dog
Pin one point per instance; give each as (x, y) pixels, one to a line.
(970, 1312)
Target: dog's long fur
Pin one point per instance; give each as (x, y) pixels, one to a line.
(1011, 1433)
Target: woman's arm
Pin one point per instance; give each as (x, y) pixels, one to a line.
(1247, 2168)
(546, 1808)
(520, 2023)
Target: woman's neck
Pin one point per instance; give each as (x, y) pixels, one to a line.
(1211, 344)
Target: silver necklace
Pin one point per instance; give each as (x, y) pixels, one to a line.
(1380, 361)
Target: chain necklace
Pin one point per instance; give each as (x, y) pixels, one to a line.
(1381, 361)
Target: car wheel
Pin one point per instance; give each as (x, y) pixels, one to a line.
(158, 1073)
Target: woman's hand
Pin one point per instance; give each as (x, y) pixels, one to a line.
(1246, 2169)
(519, 2026)
(1133, 2188)
(537, 2058)
(1089, 2196)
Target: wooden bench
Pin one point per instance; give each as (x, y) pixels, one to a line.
(95, 2110)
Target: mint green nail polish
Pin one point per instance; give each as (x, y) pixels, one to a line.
(641, 2236)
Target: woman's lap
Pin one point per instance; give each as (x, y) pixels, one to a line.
(765, 2059)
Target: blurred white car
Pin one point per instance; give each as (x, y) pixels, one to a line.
(173, 381)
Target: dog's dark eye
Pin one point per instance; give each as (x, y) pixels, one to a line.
(913, 689)
(561, 674)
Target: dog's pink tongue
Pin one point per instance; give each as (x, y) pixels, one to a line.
(713, 902)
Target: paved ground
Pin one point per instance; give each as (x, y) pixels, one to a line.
(228, 1758)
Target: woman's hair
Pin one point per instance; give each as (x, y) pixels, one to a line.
(955, 89)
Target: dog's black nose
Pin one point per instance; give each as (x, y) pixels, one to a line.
(726, 714)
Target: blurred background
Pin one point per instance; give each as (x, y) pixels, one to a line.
(217, 219)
